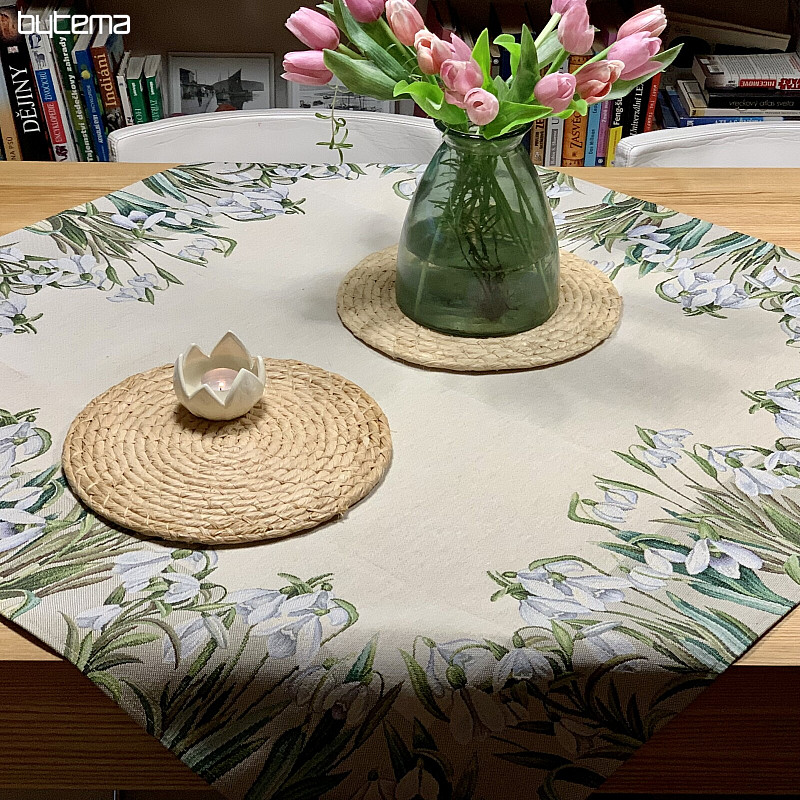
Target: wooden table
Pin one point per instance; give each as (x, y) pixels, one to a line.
(742, 736)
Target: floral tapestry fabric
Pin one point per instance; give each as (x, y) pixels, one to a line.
(555, 565)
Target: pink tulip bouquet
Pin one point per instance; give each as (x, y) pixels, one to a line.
(381, 48)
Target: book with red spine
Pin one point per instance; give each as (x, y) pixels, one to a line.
(107, 52)
(650, 115)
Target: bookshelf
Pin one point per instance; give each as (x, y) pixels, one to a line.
(244, 26)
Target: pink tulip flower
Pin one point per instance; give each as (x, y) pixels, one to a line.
(313, 29)
(594, 81)
(404, 20)
(432, 52)
(561, 6)
(575, 32)
(463, 52)
(459, 77)
(365, 10)
(556, 91)
(635, 51)
(482, 106)
(306, 67)
(652, 21)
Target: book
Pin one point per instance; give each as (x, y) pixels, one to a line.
(63, 43)
(54, 106)
(635, 110)
(592, 134)
(107, 52)
(538, 142)
(684, 120)
(31, 128)
(555, 139)
(695, 104)
(122, 89)
(765, 102)
(602, 135)
(615, 121)
(652, 102)
(137, 92)
(84, 67)
(153, 72)
(664, 113)
(760, 71)
(8, 130)
(614, 136)
(574, 144)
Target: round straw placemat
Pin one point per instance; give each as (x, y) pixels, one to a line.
(588, 312)
(314, 445)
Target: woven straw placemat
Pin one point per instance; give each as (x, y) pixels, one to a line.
(314, 445)
(588, 312)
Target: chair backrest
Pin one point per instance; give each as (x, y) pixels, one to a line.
(740, 144)
(276, 136)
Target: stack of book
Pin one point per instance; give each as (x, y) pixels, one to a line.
(62, 93)
(761, 87)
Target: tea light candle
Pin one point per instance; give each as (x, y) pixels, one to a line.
(221, 386)
(220, 379)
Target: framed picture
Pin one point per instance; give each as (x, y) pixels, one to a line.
(201, 83)
(320, 97)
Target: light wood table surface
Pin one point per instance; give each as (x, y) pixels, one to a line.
(742, 735)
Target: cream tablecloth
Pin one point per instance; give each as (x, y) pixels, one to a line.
(555, 564)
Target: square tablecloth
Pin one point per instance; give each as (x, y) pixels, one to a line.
(555, 564)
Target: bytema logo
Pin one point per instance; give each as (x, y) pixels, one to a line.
(76, 24)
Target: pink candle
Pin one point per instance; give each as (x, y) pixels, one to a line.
(220, 379)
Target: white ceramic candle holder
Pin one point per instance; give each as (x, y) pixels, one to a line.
(223, 385)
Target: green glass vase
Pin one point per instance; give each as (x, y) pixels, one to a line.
(478, 254)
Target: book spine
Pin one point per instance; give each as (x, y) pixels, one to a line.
(592, 135)
(94, 112)
(615, 128)
(7, 127)
(574, 146)
(602, 136)
(62, 46)
(690, 122)
(614, 135)
(765, 102)
(555, 139)
(539, 142)
(138, 103)
(52, 101)
(154, 98)
(21, 85)
(113, 117)
(652, 102)
(127, 107)
(635, 110)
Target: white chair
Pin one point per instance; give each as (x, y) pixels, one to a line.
(740, 144)
(276, 136)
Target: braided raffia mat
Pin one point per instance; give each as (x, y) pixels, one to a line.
(588, 312)
(314, 445)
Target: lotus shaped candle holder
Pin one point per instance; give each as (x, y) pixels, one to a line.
(220, 386)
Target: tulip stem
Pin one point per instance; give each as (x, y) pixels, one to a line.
(558, 61)
(548, 29)
(346, 51)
